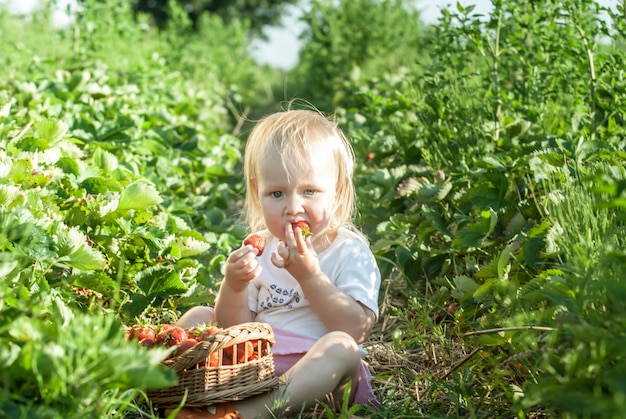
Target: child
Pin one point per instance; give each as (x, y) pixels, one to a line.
(319, 293)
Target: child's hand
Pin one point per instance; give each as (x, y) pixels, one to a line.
(241, 267)
(296, 255)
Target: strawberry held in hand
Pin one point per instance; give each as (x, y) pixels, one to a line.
(257, 241)
(304, 228)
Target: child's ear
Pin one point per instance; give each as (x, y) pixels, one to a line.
(254, 189)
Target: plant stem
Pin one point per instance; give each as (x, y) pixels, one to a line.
(508, 329)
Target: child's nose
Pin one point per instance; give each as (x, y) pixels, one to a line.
(294, 204)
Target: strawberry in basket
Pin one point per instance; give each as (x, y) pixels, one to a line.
(235, 363)
(170, 335)
(145, 335)
(245, 352)
(185, 339)
(167, 335)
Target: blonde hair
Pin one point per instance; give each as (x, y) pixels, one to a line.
(296, 135)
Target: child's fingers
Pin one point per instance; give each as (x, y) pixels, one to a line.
(243, 264)
(299, 241)
(289, 234)
(282, 250)
(241, 253)
(277, 261)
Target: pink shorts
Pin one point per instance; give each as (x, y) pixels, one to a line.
(290, 347)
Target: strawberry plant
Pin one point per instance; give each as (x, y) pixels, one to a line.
(463, 180)
(490, 182)
(57, 363)
(105, 186)
(354, 37)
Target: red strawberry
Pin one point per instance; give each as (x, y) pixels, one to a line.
(185, 345)
(146, 333)
(210, 330)
(304, 228)
(257, 241)
(244, 350)
(214, 359)
(132, 332)
(162, 333)
(194, 333)
(148, 343)
(226, 359)
(138, 332)
(171, 336)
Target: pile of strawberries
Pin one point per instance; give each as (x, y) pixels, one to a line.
(167, 336)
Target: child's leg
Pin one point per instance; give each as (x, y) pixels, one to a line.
(197, 315)
(326, 369)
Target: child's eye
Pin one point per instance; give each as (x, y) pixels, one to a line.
(309, 192)
(276, 194)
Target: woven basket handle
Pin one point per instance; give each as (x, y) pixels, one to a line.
(227, 337)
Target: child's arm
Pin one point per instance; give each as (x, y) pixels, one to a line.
(336, 309)
(231, 304)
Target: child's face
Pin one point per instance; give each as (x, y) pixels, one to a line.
(292, 194)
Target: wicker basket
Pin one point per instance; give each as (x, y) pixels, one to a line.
(206, 385)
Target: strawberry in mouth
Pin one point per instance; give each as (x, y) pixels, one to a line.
(304, 228)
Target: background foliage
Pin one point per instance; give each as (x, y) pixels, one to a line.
(259, 13)
(490, 178)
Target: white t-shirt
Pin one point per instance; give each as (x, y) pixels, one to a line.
(276, 297)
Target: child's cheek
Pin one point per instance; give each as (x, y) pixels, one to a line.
(276, 227)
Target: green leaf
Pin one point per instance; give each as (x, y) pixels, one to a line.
(26, 329)
(5, 165)
(95, 185)
(503, 261)
(138, 195)
(464, 286)
(484, 290)
(540, 169)
(515, 224)
(473, 235)
(188, 246)
(105, 160)
(96, 281)
(69, 166)
(7, 266)
(50, 130)
(492, 161)
(9, 353)
(62, 310)
(75, 251)
(136, 304)
(491, 191)
(86, 259)
(146, 377)
(444, 190)
(160, 280)
(8, 194)
(69, 241)
(494, 339)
